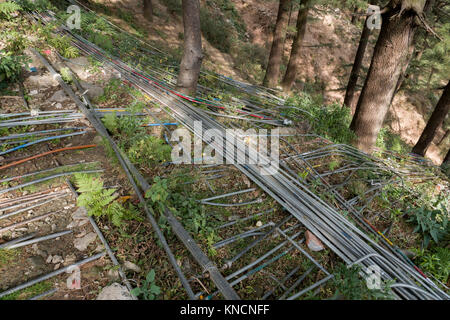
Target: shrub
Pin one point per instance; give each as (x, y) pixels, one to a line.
(149, 290)
(331, 121)
(11, 66)
(102, 202)
(432, 222)
(7, 8)
(348, 283)
(436, 263)
(216, 30)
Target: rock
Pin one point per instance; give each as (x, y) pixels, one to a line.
(98, 139)
(115, 292)
(58, 96)
(49, 258)
(93, 90)
(70, 259)
(37, 262)
(131, 266)
(259, 223)
(57, 259)
(79, 66)
(80, 214)
(113, 274)
(58, 106)
(83, 243)
(313, 242)
(45, 80)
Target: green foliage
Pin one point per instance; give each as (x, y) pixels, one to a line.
(149, 290)
(331, 121)
(163, 193)
(142, 148)
(15, 42)
(102, 202)
(250, 59)
(66, 75)
(216, 30)
(29, 292)
(7, 8)
(64, 47)
(149, 150)
(432, 222)
(349, 284)
(11, 66)
(36, 5)
(436, 263)
(387, 140)
(7, 256)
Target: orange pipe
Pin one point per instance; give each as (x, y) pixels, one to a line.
(46, 153)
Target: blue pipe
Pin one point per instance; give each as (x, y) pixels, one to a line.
(41, 140)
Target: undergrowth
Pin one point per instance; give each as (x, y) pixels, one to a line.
(101, 202)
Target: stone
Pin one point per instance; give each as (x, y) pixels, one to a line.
(313, 242)
(115, 292)
(131, 266)
(113, 274)
(80, 214)
(58, 96)
(37, 262)
(259, 223)
(83, 243)
(94, 91)
(79, 66)
(45, 80)
(57, 259)
(70, 259)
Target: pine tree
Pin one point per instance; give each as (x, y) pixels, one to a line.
(192, 54)
(294, 60)
(276, 52)
(433, 124)
(393, 46)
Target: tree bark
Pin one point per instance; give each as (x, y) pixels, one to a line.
(294, 60)
(276, 52)
(148, 10)
(192, 53)
(436, 120)
(390, 55)
(355, 15)
(447, 132)
(446, 161)
(350, 97)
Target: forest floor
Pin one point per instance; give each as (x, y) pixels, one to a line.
(134, 242)
(328, 53)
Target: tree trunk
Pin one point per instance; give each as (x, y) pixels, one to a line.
(294, 60)
(355, 15)
(446, 161)
(436, 120)
(447, 132)
(276, 53)
(390, 55)
(148, 10)
(350, 97)
(192, 53)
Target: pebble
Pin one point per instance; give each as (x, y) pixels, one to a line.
(115, 292)
(313, 243)
(83, 243)
(131, 266)
(57, 259)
